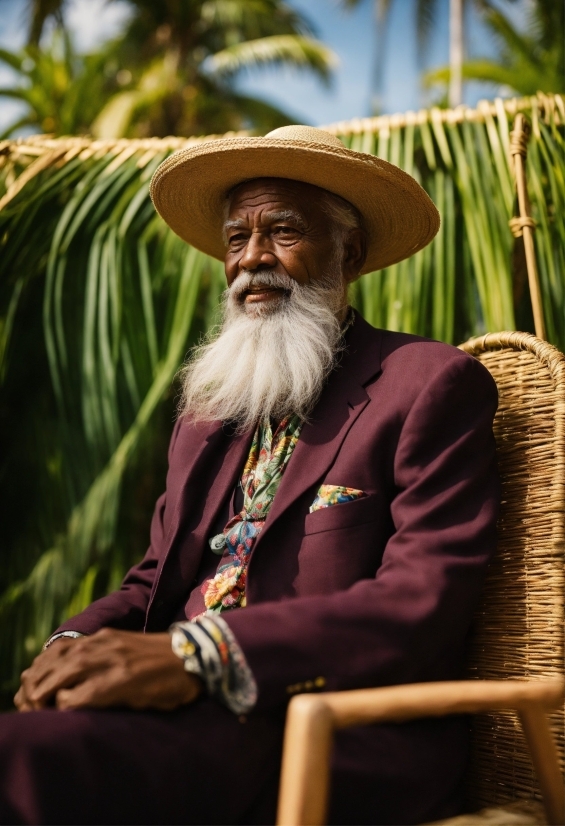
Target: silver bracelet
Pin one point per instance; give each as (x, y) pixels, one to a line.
(72, 634)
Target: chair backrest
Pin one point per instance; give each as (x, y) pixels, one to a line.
(519, 627)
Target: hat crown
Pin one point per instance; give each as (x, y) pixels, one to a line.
(310, 134)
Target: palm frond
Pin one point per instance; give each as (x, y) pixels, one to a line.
(257, 18)
(40, 11)
(291, 50)
(513, 40)
(11, 59)
(115, 117)
(523, 78)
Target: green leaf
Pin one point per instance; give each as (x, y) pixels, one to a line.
(290, 50)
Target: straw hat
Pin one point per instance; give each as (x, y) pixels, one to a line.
(189, 189)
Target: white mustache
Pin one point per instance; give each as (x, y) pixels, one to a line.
(247, 280)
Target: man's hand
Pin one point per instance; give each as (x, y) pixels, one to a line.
(109, 668)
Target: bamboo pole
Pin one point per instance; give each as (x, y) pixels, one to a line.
(524, 225)
(455, 53)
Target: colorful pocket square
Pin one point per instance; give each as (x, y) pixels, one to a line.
(329, 495)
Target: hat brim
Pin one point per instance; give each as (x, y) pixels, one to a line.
(189, 191)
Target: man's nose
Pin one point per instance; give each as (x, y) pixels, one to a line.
(258, 253)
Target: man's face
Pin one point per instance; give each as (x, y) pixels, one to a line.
(287, 266)
(278, 226)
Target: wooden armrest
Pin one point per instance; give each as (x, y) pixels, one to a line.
(312, 718)
(408, 702)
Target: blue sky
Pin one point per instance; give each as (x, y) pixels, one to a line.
(349, 34)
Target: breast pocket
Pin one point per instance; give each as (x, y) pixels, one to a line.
(346, 515)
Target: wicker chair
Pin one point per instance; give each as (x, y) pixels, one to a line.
(516, 660)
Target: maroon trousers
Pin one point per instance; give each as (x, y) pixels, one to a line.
(122, 767)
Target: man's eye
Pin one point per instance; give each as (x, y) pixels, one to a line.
(285, 231)
(237, 238)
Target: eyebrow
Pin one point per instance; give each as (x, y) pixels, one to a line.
(273, 217)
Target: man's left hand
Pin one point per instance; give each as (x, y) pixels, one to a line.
(109, 668)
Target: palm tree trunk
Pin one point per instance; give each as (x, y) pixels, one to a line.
(381, 12)
(455, 52)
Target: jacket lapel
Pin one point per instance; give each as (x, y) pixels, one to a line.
(210, 470)
(212, 459)
(341, 402)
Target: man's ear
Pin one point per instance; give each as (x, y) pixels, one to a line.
(354, 254)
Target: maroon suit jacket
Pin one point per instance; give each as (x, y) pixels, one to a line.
(377, 591)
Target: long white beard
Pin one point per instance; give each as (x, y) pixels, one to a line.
(268, 359)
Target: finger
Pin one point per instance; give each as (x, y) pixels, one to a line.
(96, 692)
(26, 707)
(48, 659)
(28, 694)
(20, 699)
(103, 692)
(42, 666)
(22, 702)
(84, 658)
(66, 677)
(19, 696)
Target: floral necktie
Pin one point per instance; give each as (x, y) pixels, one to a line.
(268, 457)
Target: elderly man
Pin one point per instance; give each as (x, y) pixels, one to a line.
(329, 512)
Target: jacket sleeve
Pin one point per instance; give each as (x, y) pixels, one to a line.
(126, 607)
(409, 622)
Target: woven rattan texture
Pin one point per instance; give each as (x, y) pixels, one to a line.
(519, 628)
